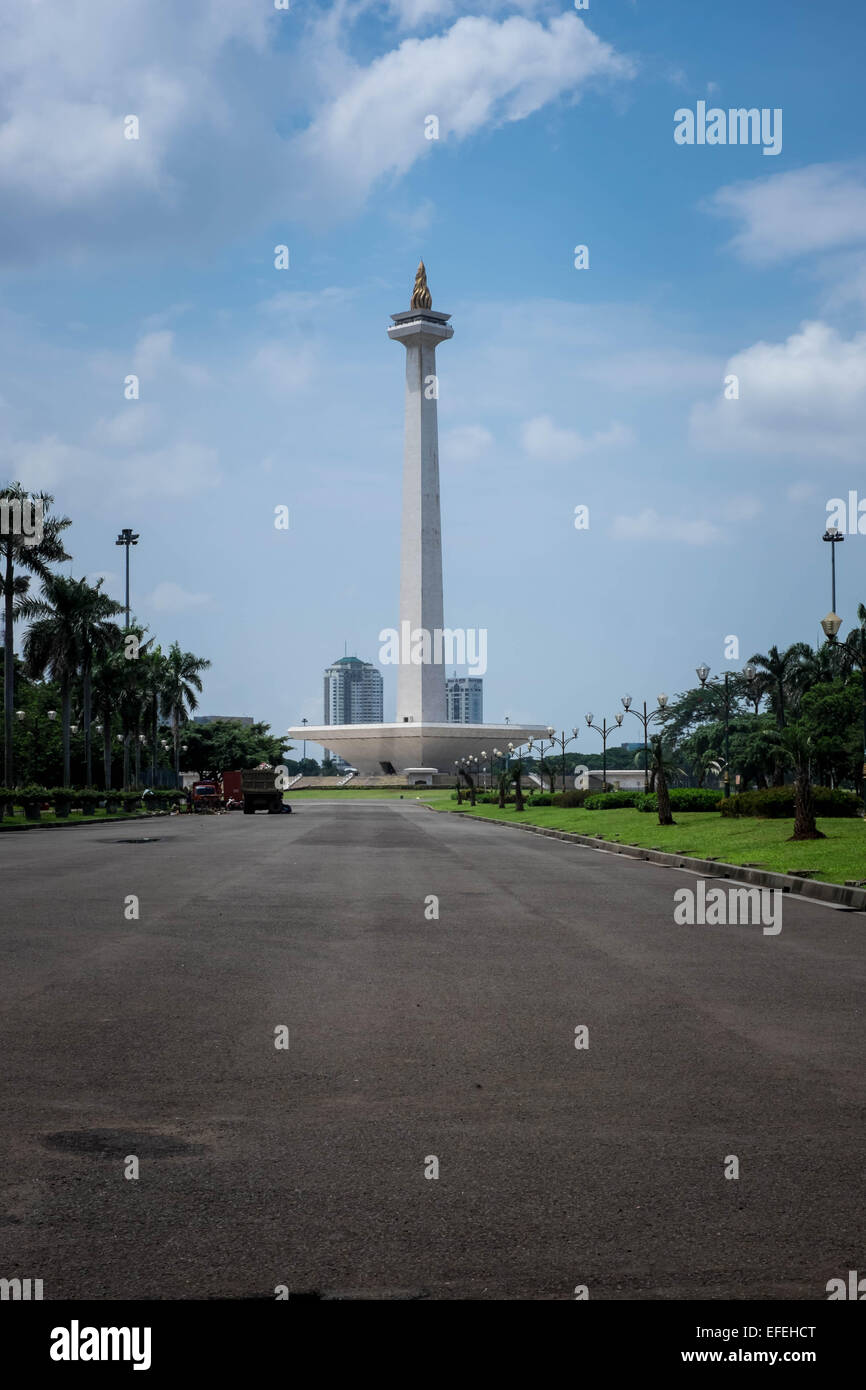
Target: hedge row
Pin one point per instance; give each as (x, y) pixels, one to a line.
(777, 803)
(60, 800)
(682, 799)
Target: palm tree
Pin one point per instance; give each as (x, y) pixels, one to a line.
(660, 768)
(782, 669)
(53, 643)
(108, 678)
(19, 563)
(182, 681)
(796, 743)
(98, 636)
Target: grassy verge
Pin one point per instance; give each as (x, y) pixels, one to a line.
(705, 835)
(370, 794)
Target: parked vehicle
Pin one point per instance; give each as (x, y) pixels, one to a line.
(206, 796)
(260, 791)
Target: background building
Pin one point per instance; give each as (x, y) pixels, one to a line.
(353, 692)
(464, 700)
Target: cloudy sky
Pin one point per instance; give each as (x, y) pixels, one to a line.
(602, 387)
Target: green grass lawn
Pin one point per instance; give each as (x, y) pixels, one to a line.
(705, 835)
(368, 793)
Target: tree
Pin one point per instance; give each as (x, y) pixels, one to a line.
(220, 746)
(19, 563)
(181, 686)
(783, 670)
(54, 642)
(796, 741)
(661, 768)
(98, 636)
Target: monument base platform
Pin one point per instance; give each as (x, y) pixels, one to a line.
(393, 748)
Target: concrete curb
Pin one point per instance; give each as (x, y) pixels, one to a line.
(76, 824)
(837, 893)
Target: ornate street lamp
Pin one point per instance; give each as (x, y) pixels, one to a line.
(606, 730)
(645, 720)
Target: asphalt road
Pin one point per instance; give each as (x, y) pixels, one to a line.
(412, 1038)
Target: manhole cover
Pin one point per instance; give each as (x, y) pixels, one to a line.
(147, 840)
(117, 1143)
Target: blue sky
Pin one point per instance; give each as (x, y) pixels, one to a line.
(602, 387)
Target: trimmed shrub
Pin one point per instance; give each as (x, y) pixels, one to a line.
(540, 799)
(682, 799)
(610, 801)
(570, 798)
(777, 803)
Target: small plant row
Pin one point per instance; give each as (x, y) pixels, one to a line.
(62, 800)
(777, 803)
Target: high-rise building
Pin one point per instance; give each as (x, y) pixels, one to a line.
(464, 700)
(353, 692)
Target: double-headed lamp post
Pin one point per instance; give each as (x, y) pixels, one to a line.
(606, 730)
(702, 673)
(563, 743)
(645, 720)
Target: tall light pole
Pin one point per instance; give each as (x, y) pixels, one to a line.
(127, 538)
(833, 536)
(305, 722)
(605, 731)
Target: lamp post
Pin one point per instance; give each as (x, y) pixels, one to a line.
(702, 672)
(833, 536)
(127, 538)
(550, 734)
(645, 720)
(605, 732)
(305, 722)
(563, 743)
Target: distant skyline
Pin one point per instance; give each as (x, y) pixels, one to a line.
(602, 388)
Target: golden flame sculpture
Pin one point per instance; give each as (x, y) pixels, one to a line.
(421, 296)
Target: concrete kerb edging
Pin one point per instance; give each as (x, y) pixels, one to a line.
(77, 824)
(713, 868)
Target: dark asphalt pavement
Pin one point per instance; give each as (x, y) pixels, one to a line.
(412, 1038)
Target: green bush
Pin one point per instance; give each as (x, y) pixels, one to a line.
(682, 799)
(610, 801)
(777, 803)
(540, 799)
(571, 798)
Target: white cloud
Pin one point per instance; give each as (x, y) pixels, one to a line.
(282, 368)
(169, 597)
(465, 444)
(544, 440)
(796, 214)
(478, 75)
(648, 525)
(129, 427)
(801, 492)
(803, 397)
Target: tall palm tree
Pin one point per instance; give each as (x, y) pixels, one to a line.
(108, 677)
(53, 643)
(179, 692)
(21, 562)
(154, 673)
(782, 669)
(99, 635)
(660, 767)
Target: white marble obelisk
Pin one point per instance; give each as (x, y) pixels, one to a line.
(421, 687)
